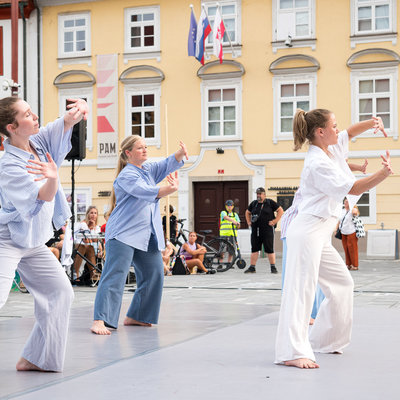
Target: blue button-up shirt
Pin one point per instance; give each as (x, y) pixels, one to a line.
(137, 212)
(29, 220)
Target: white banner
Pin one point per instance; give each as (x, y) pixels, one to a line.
(107, 110)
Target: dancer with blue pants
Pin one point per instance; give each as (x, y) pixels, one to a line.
(134, 236)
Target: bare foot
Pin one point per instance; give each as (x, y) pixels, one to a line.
(311, 321)
(302, 363)
(99, 328)
(25, 365)
(131, 321)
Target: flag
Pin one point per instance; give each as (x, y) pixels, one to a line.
(192, 35)
(218, 35)
(203, 30)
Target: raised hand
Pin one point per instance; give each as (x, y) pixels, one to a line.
(182, 152)
(363, 167)
(47, 170)
(173, 181)
(78, 108)
(386, 163)
(378, 126)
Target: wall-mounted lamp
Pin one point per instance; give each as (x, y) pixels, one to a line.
(13, 86)
(288, 41)
(220, 150)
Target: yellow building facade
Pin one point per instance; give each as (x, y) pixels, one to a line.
(129, 60)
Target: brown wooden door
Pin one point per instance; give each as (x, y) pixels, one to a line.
(209, 201)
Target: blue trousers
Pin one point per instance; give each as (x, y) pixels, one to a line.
(149, 271)
(319, 296)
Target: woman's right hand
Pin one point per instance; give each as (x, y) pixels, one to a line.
(173, 181)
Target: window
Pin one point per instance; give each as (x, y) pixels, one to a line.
(291, 93)
(142, 29)
(81, 93)
(367, 206)
(373, 21)
(74, 35)
(143, 113)
(374, 94)
(294, 19)
(373, 16)
(82, 199)
(221, 111)
(229, 12)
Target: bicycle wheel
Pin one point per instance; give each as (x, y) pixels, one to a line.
(218, 251)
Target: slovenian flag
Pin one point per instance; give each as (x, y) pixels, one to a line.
(218, 36)
(192, 35)
(203, 30)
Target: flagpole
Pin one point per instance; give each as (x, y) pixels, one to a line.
(227, 34)
(226, 31)
(167, 216)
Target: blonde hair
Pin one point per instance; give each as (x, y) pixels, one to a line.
(305, 124)
(126, 144)
(90, 208)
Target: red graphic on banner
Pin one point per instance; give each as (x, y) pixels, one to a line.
(104, 91)
(104, 105)
(102, 76)
(103, 125)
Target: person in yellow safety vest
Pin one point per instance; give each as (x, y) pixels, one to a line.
(229, 220)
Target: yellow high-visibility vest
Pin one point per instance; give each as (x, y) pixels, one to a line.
(226, 228)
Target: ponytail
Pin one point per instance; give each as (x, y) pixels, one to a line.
(127, 144)
(305, 124)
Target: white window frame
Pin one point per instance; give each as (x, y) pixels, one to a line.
(283, 18)
(61, 19)
(212, 84)
(377, 73)
(142, 89)
(87, 93)
(371, 219)
(87, 191)
(145, 51)
(373, 35)
(277, 82)
(238, 21)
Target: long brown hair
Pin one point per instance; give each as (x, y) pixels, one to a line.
(305, 124)
(8, 113)
(126, 144)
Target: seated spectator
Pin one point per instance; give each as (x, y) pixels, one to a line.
(169, 251)
(90, 248)
(194, 255)
(55, 244)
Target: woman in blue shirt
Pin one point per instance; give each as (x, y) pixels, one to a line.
(134, 235)
(31, 200)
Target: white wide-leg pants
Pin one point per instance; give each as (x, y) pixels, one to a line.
(46, 280)
(311, 258)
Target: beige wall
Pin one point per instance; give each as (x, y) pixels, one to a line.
(181, 91)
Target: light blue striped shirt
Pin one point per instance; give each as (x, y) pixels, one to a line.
(27, 219)
(137, 212)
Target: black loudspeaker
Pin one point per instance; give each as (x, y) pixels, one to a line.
(78, 141)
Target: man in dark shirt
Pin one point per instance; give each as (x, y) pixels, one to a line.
(262, 215)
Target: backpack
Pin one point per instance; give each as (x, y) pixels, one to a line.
(179, 266)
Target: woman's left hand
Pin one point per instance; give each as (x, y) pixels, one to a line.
(386, 163)
(378, 126)
(182, 152)
(47, 170)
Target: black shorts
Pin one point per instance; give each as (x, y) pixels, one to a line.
(262, 236)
